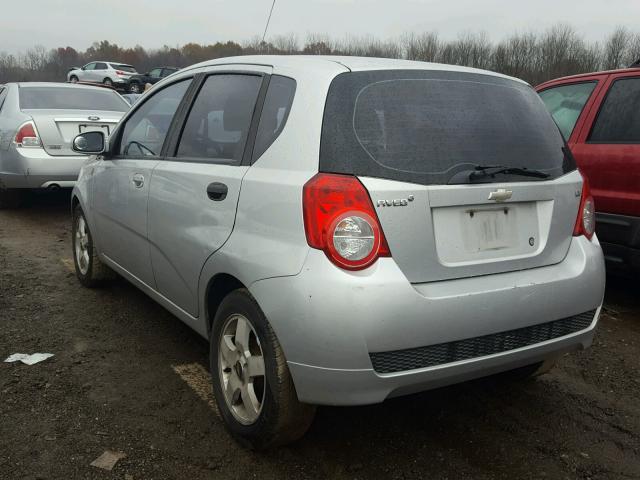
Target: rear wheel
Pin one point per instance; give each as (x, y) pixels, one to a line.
(91, 272)
(12, 197)
(134, 87)
(251, 381)
(108, 82)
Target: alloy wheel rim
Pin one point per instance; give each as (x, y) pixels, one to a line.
(81, 245)
(241, 369)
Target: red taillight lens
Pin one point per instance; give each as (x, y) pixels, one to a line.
(586, 221)
(340, 220)
(27, 136)
(120, 72)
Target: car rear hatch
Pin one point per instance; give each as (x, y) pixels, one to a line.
(421, 142)
(61, 113)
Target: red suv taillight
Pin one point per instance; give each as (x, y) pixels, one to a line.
(586, 221)
(340, 220)
(27, 136)
(120, 72)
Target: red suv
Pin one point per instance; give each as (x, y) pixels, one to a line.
(599, 115)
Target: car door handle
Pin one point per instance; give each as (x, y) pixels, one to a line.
(138, 180)
(217, 191)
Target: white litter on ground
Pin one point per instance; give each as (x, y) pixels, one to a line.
(108, 460)
(28, 359)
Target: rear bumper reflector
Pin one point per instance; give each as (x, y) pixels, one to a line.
(432, 355)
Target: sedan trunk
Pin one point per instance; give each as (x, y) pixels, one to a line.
(58, 128)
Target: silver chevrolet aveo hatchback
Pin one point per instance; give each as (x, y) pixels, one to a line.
(344, 230)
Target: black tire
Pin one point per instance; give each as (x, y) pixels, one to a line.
(282, 419)
(73, 79)
(135, 87)
(96, 272)
(108, 82)
(12, 197)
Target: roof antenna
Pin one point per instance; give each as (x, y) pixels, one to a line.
(268, 20)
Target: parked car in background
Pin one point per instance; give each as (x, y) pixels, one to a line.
(37, 124)
(599, 115)
(138, 81)
(344, 230)
(110, 73)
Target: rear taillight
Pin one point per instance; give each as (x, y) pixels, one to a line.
(586, 221)
(120, 72)
(340, 220)
(27, 136)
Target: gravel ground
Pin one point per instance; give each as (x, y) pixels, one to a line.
(129, 377)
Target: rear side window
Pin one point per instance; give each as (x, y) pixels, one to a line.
(619, 118)
(424, 126)
(101, 66)
(71, 98)
(146, 129)
(565, 103)
(124, 68)
(218, 123)
(275, 111)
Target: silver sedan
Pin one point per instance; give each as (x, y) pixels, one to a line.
(38, 122)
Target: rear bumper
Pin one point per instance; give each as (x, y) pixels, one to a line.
(333, 321)
(620, 237)
(35, 168)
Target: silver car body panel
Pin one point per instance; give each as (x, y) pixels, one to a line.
(345, 316)
(451, 246)
(328, 320)
(120, 200)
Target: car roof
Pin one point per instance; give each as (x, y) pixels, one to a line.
(109, 61)
(302, 62)
(579, 76)
(58, 85)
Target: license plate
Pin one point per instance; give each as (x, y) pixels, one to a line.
(492, 228)
(94, 128)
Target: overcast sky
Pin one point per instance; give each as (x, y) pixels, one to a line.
(153, 23)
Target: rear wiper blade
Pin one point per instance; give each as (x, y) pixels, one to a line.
(481, 171)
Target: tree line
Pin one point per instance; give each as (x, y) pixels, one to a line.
(534, 57)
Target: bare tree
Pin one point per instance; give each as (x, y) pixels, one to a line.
(615, 49)
(534, 57)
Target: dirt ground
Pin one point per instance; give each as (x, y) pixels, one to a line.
(127, 376)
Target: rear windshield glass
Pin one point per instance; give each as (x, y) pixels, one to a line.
(71, 98)
(124, 68)
(426, 126)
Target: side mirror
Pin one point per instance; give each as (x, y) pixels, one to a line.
(89, 143)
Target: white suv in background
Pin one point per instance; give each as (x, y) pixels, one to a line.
(109, 73)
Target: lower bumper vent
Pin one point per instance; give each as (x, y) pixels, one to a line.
(431, 355)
